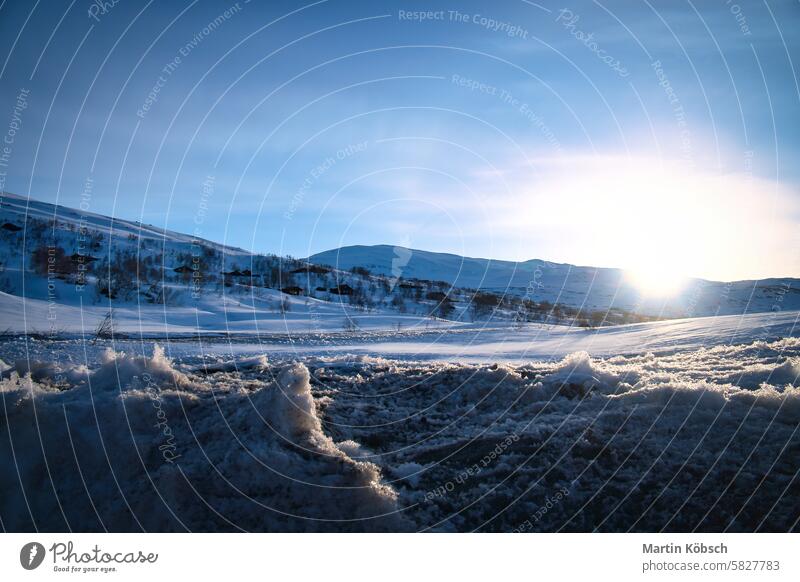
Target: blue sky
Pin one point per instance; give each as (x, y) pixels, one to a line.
(612, 134)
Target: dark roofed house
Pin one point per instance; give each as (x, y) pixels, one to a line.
(79, 258)
(292, 290)
(183, 269)
(343, 289)
(11, 227)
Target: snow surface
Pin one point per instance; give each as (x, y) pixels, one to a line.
(519, 344)
(698, 433)
(247, 314)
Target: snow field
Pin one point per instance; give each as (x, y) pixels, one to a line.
(703, 439)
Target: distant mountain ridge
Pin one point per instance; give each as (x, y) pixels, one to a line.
(137, 264)
(593, 288)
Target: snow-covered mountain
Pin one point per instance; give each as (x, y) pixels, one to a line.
(63, 270)
(589, 288)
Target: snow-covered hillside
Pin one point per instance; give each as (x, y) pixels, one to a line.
(63, 270)
(595, 289)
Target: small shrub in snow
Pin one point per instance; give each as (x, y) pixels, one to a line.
(105, 327)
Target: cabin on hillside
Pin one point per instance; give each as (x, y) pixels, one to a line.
(343, 289)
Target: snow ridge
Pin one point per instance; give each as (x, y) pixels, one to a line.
(138, 445)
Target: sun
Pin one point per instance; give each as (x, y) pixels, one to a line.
(653, 281)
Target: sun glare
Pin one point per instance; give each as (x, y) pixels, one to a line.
(658, 220)
(655, 282)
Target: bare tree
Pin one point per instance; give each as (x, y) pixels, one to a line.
(105, 328)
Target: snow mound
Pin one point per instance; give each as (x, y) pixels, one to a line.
(117, 371)
(51, 373)
(143, 447)
(122, 371)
